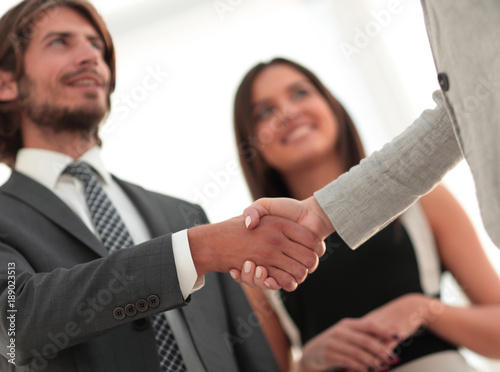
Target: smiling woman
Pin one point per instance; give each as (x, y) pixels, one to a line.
(283, 145)
(287, 109)
(303, 134)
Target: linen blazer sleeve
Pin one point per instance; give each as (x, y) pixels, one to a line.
(372, 194)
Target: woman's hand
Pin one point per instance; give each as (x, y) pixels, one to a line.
(254, 276)
(307, 212)
(406, 313)
(351, 344)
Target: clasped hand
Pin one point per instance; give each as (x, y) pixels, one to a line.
(306, 214)
(286, 249)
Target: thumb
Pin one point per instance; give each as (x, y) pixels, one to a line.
(254, 212)
(281, 207)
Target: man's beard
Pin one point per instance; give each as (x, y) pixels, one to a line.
(56, 118)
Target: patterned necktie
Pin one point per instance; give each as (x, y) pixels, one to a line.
(114, 235)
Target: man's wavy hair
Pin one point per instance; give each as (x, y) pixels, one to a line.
(17, 28)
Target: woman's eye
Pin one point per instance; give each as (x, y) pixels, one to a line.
(264, 113)
(300, 93)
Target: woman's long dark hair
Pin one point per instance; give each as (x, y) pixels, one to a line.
(262, 179)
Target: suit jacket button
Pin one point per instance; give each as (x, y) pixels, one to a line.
(154, 301)
(130, 309)
(444, 82)
(141, 305)
(141, 324)
(119, 313)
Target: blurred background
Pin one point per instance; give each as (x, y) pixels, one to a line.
(179, 63)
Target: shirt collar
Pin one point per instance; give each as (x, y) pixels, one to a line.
(46, 166)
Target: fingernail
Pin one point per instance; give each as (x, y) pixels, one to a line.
(258, 272)
(395, 360)
(247, 266)
(267, 284)
(233, 275)
(248, 221)
(391, 356)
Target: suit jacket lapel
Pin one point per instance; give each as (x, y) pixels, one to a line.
(206, 315)
(150, 211)
(207, 319)
(45, 202)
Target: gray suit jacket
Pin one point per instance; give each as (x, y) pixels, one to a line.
(465, 40)
(68, 288)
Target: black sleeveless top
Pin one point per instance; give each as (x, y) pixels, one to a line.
(350, 283)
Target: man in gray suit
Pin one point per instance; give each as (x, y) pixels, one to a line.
(89, 263)
(464, 37)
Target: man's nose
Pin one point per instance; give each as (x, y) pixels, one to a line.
(87, 54)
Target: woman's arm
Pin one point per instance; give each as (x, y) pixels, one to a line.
(356, 344)
(350, 344)
(271, 326)
(477, 326)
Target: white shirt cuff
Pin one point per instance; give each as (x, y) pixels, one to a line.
(186, 272)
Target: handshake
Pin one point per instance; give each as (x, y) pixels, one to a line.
(276, 243)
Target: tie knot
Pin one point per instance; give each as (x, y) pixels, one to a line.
(79, 170)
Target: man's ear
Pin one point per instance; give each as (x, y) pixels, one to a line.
(8, 86)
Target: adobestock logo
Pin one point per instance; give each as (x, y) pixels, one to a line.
(127, 102)
(482, 93)
(363, 36)
(226, 6)
(219, 181)
(66, 335)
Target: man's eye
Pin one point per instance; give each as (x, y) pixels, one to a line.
(57, 42)
(98, 46)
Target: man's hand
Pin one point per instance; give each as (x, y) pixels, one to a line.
(286, 249)
(307, 213)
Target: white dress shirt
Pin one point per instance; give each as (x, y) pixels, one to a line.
(46, 167)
